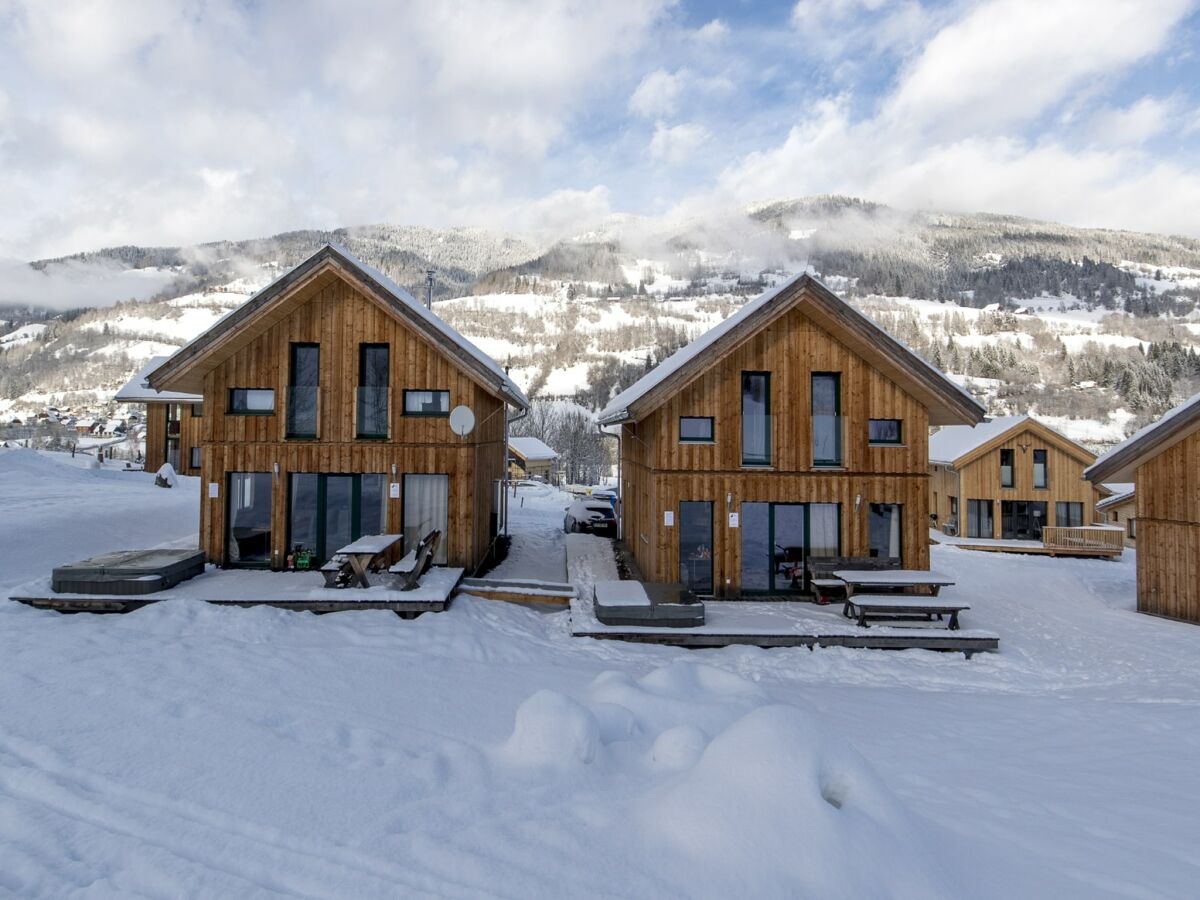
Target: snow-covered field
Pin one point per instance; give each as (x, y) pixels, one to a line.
(202, 751)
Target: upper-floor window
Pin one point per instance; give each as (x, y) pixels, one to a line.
(373, 371)
(251, 402)
(883, 431)
(1006, 468)
(427, 403)
(304, 377)
(756, 419)
(827, 419)
(884, 529)
(197, 410)
(696, 429)
(1039, 469)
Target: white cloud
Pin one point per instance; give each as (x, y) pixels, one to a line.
(74, 284)
(1133, 124)
(658, 93)
(713, 32)
(675, 144)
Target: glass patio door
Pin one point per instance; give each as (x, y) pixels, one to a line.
(788, 542)
(696, 545)
(426, 508)
(327, 512)
(778, 538)
(248, 523)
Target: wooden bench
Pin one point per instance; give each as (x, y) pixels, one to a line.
(416, 562)
(828, 589)
(901, 606)
(827, 586)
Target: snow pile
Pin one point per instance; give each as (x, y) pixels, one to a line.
(166, 477)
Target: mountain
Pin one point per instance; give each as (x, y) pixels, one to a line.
(1096, 329)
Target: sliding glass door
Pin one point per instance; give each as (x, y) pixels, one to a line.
(327, 512)
(696, 545)
(248, 519)
(426, 508)
(778, 538)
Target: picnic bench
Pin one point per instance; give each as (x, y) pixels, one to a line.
(901, 606)
(416, 562)
(824, 582)
(896, 580)
(348, 566)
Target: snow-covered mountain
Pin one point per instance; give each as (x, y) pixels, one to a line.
(1095, 330)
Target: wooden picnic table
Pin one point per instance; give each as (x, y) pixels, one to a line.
(349, 565)
(893, 578)
(902, 606)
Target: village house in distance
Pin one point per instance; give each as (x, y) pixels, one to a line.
(530, 457)
(172, 422)
(326, 416)
(1008, 478)
(1163, 462)
(795, 428)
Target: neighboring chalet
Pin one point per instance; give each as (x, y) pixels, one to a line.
(795, 428)
(530, 457)
(1119, 508)
(1008, 478)
(327, 402)
(173, 421)
(1163, 461)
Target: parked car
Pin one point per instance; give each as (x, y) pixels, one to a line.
(605, 494)
(590, 515)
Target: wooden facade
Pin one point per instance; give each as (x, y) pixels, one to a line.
(975, 475)
(330, 303)
(792, 342)
(1120, 511)
(173, 433)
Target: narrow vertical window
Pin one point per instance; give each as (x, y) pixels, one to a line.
(302, 391)
(885, 527)
(373, 390)
(756, 419)
(1039, 469)
(1006, 468)
(826, 419)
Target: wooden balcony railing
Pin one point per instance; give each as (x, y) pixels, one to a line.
(1084, 537)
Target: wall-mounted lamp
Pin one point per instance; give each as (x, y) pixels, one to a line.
(393, 470)
(275, 466)
(857, 502)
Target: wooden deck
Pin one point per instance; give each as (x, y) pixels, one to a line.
(783, 624)
(519, 591)
(1042, 550)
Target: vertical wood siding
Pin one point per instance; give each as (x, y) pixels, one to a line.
(1168, 513)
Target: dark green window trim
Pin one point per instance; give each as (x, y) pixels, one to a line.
(698, 440)
(837, 461)
(426, 415)
(230, 410)
(898, 441)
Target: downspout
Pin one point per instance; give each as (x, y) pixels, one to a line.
(620, 484)
(504, 482)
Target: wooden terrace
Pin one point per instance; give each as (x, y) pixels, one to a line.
(1104, 541)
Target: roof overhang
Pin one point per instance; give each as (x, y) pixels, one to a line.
(1121, 463)
(1053, 437)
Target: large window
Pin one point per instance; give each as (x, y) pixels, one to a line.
(1068, 514)
(883, 431)
(248, 519)
(696, 545)
(195, 460)
(1040, 478)
(373, 383)
(979, 519)
(426, 507)
(1006, 468)
(302, 391)
(251, 401)
(826, 419)
(1022, 520)
(756, 419)
(885, 527)
(696, 429)
(327, 512)
(427, 403)
(777, 538)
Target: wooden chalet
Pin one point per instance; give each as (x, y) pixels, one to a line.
(327, 400)
(172, 422)
(1009, 478)
(1163, 462)
(795, 428)
(530, 457)
(1119, 509)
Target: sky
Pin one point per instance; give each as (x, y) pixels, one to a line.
(166, 122)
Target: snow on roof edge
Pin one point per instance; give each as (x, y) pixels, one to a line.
(138, 389)
(1186, 408)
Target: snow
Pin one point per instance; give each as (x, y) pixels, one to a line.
(24, 335)
(953, 441)
(532, 448)
(566, 382)
(620, 593)
(138, 389)
(214, 751)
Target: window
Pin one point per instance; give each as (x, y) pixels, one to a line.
(696, 429)
(326, 512)
(954, 507)
(885, 530)
(883, 431)
(304, 377)
(195, 457)
(248, 535)
(756, 419)
(1131, 528)
(826, 419)
(979, 519)
(1006, 468)
(1039, 469)
(427, 403)
(373, 365)
(197, 410)
(696, 545)
(251, 402)
(1067, 514)
(426, 507)
(1113, 516)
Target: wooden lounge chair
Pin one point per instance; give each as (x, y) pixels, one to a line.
(416, 562)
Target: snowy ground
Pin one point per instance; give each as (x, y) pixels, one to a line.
(194, 750)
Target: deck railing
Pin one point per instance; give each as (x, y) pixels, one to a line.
(1083, 537)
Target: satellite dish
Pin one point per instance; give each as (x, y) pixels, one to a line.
(462, 420)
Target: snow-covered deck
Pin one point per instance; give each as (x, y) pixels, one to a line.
(782, 623)
(1038, 548)
(245, 587)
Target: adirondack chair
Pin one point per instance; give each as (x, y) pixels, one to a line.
(416, 562)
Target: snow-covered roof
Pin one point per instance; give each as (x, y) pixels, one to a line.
(531, 448)
(391, 291)
(618, 408)
(138, 389)
(1123, 459)
(953, 441)
(1122, 493)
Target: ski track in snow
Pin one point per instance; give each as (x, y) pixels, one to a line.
(483, 752)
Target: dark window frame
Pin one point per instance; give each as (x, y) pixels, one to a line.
(230, 411)
(838, 461)
(899, 538)
(197, 410)
(768, 455)
(289, 433)
(712, 430)
(886, 442)
(359, 433)
(1012, 467)
(194, 458)
(426, 415)
(1045, 485)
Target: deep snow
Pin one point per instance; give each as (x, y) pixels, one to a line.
(187, 749)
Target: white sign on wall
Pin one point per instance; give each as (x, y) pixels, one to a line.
(733, 520)
(394, 490)
(214, 490)
(669, 518)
